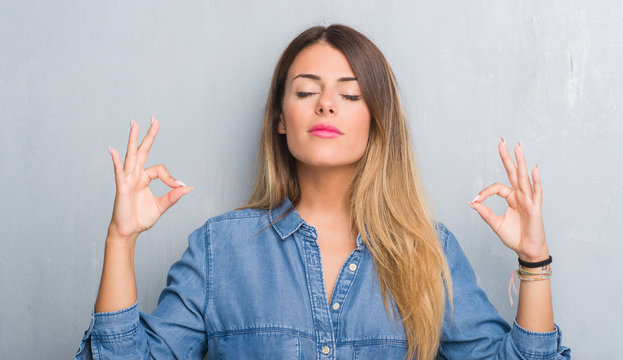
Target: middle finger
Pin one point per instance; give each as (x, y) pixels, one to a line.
(522, 172)
(143, 150)
(130, 154)
(509, 165)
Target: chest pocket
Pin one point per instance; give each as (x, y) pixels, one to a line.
(388, 351)
(255, 345)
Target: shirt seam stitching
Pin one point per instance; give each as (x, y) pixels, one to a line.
(233, 215)
(207, 263)
(259, 330)
(117, 337)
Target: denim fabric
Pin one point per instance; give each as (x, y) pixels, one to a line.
(242, 293)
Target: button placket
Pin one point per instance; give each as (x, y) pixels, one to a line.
(342, 288)
(315, 287)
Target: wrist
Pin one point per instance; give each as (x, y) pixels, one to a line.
(530, 266)
(534, 256)
(114, 238)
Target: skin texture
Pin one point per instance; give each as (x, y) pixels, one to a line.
(325, 168)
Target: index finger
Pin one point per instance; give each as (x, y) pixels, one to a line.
(145, 147)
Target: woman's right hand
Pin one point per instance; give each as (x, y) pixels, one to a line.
(136, 209)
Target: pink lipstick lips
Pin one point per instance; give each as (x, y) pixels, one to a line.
(325, 131)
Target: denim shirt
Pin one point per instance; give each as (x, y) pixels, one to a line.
(246, 289)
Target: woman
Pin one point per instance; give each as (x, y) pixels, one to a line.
(335, 256)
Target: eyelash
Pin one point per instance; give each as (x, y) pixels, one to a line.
(302, 94)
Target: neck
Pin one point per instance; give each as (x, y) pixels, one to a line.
(323, 192)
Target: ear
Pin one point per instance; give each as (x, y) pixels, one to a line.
(281, 126)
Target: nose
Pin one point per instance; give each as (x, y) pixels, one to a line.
(325, 105)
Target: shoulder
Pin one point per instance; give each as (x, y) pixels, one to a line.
(445, 236)
(235, 224)
(450, 245)
(236, 216)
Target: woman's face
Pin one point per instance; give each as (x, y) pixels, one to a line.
(326, 119)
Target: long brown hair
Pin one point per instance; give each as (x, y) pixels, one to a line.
(386, 198)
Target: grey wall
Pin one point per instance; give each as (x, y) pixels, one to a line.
(73, 73)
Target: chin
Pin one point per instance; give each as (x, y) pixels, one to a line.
(327, 159)
(328, 163)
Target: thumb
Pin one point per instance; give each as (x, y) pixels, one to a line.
(169, 199)
(486, 214)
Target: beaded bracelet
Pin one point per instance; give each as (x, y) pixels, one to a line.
(531, 277)
(537, 278)
(521, 272)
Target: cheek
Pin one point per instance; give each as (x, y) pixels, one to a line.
(294, 116)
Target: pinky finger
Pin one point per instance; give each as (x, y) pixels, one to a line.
(116, 160)
(538, 189)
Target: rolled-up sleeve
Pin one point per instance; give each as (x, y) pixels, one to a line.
(475, 330)
(175, 329)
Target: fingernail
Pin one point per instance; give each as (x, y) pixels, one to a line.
(180, 183)
(152, 118)
(518, 143)
(476, 198)
(504, 141)
(470, 205)
(109, 150)
(131, 122)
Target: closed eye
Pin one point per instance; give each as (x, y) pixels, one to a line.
(303, 94)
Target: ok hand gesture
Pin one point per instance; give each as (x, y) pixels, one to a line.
(136, 209)
(521, 226)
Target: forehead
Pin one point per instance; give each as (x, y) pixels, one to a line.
(321, 59)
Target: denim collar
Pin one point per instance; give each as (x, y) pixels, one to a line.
(291, 221)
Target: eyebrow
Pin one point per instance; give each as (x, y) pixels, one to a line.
(317, 78)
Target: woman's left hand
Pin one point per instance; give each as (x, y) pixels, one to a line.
(521, 226)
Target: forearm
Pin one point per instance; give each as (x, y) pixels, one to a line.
(534, 310)
(118, 283)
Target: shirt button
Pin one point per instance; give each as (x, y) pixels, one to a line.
(326, 349)
(352, 267)
(336, 306)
